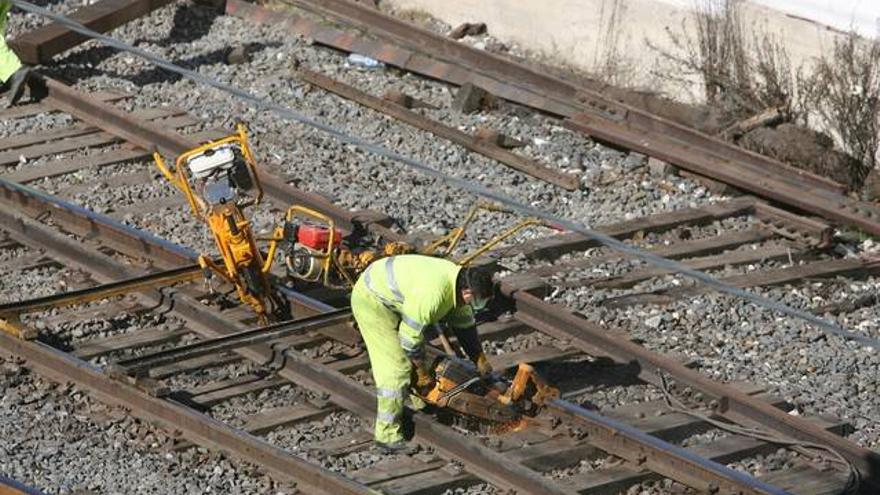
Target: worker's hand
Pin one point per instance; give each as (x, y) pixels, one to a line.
(483, 365)
(424, 376)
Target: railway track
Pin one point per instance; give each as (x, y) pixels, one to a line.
(573, 449)
(533, 461)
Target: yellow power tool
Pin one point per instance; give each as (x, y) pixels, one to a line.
(219, 180)
(502, 406)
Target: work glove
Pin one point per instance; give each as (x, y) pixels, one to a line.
(424, 376)
(483, 365)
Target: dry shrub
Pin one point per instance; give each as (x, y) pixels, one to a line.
(744, 70)
(610, 65)
(844, 94)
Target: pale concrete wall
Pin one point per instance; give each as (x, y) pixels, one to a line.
(582, 33)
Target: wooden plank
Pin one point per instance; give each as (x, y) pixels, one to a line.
(39, 45)
(28, 261)
(526, 439)
(78, 129)
(274, 418)
(139, 338)
(361, 362)
(847, 267)
(284, 416)
(563, 451)
(552, 247)
(553, 454)
(502, 329)
(427, 483)
(774, 252)
(198, 363)
(725, 450)
(508, 360)
(125, 179)
(31, 109)
(493, 151)
(12, 157)
(127, 152)
(69, 165)
(106, 310)
(678, 250)
(152, 206)
(22, 140)
(216, 393)
(6, 243)
(392, 469)
(807, 480)
(342, 445)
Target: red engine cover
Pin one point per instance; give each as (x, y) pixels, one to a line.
(316, 236)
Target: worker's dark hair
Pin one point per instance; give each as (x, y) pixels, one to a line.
(478, 280)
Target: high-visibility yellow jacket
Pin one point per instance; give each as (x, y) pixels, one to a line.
(9, 62)
(421, 290)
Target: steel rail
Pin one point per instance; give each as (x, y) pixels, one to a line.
(148, 135)
(435, 56)
(828, 204)
(38, 46)
(660, 456)
(302, 370)
(475, 188)
(479, 460)
(734, 405)
(517, 81)
(686, 468)
(9, 486)
(452, 134)
(122, 287)
(195, 427)
(354, 398)
(195, 307)
(137, 365)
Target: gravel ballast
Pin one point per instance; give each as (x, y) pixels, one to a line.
(821, 374)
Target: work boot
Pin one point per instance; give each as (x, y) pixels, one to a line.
(16, 85)
(400, 447)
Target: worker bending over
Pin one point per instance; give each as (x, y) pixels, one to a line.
(13, 75)
(394, 302)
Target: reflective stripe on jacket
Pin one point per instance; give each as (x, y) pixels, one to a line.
(421, 290)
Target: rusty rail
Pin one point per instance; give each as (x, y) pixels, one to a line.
(148, 135)
(479, 460)
(587, 111)
(734, 405)
(349, 395)
(473, 143)
(660, 456)
(62, 367)
(40, 45)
